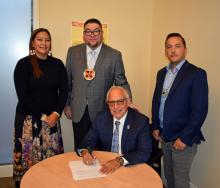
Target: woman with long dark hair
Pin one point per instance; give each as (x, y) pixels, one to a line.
(41, 86)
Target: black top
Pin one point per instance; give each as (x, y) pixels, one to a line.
(43, 95)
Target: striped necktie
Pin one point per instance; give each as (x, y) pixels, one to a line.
(115, 138)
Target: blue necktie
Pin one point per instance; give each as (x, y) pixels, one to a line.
(115, 138)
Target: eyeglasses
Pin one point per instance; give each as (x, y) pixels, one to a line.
(95, 32)
(119, 102)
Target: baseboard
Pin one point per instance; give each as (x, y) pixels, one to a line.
(6, 171)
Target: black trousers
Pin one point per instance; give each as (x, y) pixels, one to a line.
(17, 184)
(81, 128)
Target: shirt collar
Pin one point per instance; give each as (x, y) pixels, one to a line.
(177, 68)
(122, 120)
(97, 50)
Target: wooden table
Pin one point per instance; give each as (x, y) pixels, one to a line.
(55, 172)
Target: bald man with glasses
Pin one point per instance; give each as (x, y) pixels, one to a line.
(121, 130)
(92, 68)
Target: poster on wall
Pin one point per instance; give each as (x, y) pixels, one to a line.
(77, 33)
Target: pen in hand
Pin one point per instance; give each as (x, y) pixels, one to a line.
(88, 158)
(94, 159)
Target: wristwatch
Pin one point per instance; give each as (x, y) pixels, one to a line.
(120, 160)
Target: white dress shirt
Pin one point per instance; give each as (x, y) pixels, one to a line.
(90, 61)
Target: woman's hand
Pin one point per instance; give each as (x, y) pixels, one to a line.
(52, 119)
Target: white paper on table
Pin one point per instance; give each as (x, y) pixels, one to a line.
(81, 171)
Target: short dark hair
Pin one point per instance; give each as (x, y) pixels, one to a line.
(92, 20)
(176, 35)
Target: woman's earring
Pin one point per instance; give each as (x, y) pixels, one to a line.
(50, 53)
(32, 52)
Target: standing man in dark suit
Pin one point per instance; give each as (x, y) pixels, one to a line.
(120, 129)
(179, 109)
(92, 68)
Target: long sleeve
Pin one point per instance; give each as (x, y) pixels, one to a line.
(22, 74)
(156, 98)
(199, 107)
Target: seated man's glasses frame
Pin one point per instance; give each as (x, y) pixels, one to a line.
(119, 102)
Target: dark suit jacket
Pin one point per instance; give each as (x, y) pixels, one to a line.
(186, 105)
(109, 71)
(136, 141)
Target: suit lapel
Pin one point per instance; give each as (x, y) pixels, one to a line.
(161, 81)
(109, 130)
(182, 72)
(100, 58)
(83, 63)
(83, 58)
(126, 129)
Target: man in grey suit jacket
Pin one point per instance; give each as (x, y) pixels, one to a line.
(92, 68)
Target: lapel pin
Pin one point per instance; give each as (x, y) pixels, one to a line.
(128, 127)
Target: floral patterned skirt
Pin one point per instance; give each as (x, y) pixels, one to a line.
(34, 141)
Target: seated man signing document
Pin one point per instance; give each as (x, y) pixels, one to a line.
(121, 130)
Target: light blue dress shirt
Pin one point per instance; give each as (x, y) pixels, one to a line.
(168, 82)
